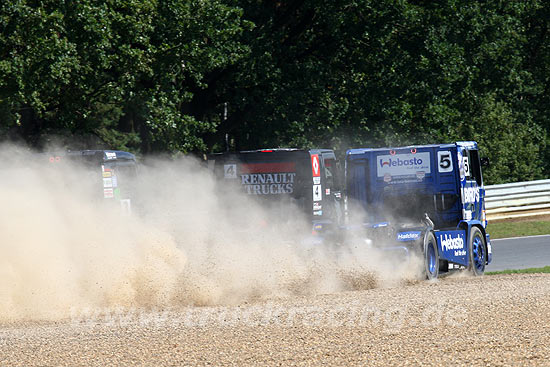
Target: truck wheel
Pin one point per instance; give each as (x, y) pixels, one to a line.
(431, 256)
(477, 252)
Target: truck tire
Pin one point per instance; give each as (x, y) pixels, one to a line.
(477, 252)
(431, 256)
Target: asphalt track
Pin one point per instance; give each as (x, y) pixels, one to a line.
(520, 253)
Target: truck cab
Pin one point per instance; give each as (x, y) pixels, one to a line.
(286, 183)
(427, 199)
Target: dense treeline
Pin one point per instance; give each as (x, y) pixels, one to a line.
(193, 76)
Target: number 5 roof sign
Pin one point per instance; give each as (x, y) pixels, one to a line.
(444, 160)
(315, 168)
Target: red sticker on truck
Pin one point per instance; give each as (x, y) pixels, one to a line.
(315, 168)
(268, 167)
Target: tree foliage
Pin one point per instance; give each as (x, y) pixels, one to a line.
(120, 70)
(175, 75)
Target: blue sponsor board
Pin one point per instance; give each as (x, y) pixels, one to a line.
(409, 236)
(453, 246)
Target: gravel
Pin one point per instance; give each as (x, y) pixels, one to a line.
(487, 321)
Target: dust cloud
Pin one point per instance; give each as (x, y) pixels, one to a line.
(64, 247)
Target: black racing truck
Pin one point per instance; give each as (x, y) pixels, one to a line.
(289, 185)
(109, 175)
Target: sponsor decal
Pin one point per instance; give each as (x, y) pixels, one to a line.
(455, 266)
(420, 175)
(268, 183)
(318, 212)
(317, 206)
(107, 182)
(403, 164)
(408, 236)
(316, 180)
(387, 177)
(110, 155)
(107, 174)
(268, 178)
(452, 243)
(470, 194)
(315, 167)
(108, 193)
(327, 192)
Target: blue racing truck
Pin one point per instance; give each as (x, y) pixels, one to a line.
(427, 200)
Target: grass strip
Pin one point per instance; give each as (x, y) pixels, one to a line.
(517, 229)
(545, 269)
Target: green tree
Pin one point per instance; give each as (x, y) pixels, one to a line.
(378, 73)
(176, 75)
(125, 71)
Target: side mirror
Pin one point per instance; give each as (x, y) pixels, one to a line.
(484, 161)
